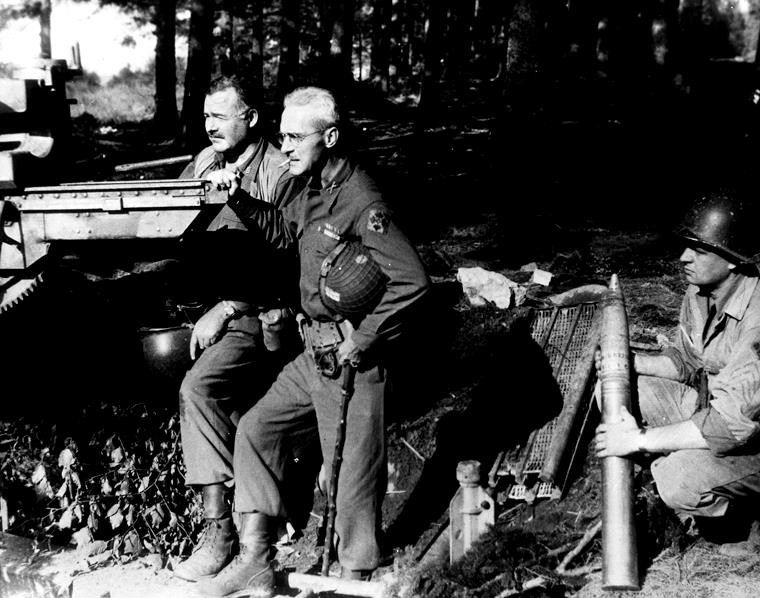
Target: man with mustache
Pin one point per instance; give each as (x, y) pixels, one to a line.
(700, 399)
(358, 318)
(245, 279)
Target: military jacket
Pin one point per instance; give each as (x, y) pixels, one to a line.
(349, 207)
(727, 347)
(265, 177)
(232, 263)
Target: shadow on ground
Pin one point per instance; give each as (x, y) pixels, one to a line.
(515, 394)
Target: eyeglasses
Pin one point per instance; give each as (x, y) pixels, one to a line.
(296, 138)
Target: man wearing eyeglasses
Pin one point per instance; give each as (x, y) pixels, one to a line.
(232, 365)
(340, 203)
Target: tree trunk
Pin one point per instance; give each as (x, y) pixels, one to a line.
(523, 66)
(248, 44)
(482, 36)
(165, 117)
(45, 10)
(666, 41)
(519, 138)
(225, 62)
(341, 73)
(429, 105)
(381, 32)
(323, 35)
(336, 21)
(409, 41)
(287, 72)
(583, 17)
(397, 52)
(460, 48)
(256, 67)
(197, 77)
(629, 54)
(360, 53)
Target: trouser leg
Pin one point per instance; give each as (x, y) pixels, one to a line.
(213, 394)
(697, 483)
(693, 482)
(286, 415)
(664, 402)
(361, 479)
(282, 419)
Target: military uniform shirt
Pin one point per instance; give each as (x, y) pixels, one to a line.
(233, 265)
(728, 348)
(349, 207)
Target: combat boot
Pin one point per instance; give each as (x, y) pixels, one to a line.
(217, 541)
(250, 573)
(744, 548)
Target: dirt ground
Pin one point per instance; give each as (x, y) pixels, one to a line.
(458, 399)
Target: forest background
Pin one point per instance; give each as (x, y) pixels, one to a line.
(592, 87)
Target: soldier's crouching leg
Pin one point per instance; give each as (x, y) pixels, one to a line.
(686, 482)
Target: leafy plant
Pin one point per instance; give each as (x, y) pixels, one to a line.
(119, 492)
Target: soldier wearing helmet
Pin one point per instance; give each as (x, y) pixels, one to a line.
(360, 277)
(700, 399)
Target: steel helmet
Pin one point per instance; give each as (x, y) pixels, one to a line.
(720, 223)
(351, 282)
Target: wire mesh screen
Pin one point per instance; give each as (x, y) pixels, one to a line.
(562, 333)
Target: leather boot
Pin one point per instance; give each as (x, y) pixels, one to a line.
(744, 548)
(250, 573)
(217, 541)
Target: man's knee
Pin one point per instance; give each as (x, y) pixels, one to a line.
(677, 484)
(188, 385)
(191, 391)
(662, 402)
(651, 393)
(646, 385)
(203, 386)
(250, 427)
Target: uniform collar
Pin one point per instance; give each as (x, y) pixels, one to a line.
(254, 152)
(332, 189)
(342, 172)
(737, 296)
(734, 298)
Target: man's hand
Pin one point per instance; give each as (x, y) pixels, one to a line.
(349, 352)
(208, 329)
(618, 439)
(225, 179)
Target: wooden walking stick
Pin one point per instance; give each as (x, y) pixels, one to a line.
(346, 390)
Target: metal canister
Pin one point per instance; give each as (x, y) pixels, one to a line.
(272, 327)
(619, 555)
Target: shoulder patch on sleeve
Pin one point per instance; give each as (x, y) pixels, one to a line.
(378, 221)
